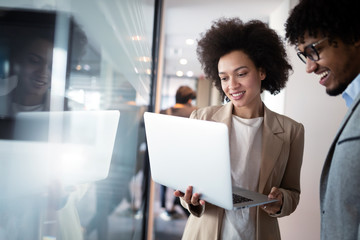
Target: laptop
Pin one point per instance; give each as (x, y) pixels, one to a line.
(71, 147)
(189, 152)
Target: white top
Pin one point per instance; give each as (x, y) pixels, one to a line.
(245, 152)
(22, 108)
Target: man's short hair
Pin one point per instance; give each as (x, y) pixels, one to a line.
(184, 94)
(324, 18)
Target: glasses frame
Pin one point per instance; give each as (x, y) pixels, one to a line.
(303, 55)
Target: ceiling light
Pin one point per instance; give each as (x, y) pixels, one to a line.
(183, 61)
(179, 73)
(144, 59)
(189, 73)
(87, 67)
(189, 41)
(136, 38)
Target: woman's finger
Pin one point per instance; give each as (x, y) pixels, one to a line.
(195, 199)
(188, 195)
(178, 193)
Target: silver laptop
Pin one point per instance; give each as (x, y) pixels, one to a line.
(188, 152)
(72, 147)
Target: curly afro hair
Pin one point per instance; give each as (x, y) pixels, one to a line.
(327, 18)
(262, 44)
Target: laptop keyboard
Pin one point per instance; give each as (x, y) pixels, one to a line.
(240, 199)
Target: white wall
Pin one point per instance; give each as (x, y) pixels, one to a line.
(305, 101)
(276, 22)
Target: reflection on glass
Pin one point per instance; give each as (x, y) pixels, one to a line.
(25, 86)
(35, 197)
(44, 152)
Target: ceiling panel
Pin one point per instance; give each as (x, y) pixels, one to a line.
(189, 18)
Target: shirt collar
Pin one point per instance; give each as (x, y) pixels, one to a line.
(352, 90)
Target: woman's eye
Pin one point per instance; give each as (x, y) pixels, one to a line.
(223, 78)
(33, 59)
(241, 74)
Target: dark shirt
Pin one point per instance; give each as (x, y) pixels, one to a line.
(179, 112)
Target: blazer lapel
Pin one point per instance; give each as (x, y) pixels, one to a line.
(224, 115)
(347, 116)
(326, 167)
(271, 145)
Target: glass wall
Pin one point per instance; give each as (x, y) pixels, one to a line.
(75, 79)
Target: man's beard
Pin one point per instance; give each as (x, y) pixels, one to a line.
(340, 89)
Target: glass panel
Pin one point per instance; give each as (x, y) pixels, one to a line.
(169, 216)
(74, 83)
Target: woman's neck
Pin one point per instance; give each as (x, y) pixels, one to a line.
(247, 112)
(28, 99)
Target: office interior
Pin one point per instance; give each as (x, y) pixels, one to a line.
(124, 56)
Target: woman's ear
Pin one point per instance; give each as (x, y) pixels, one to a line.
(262, 74)
(357, 43)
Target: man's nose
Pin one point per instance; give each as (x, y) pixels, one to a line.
(310, 65)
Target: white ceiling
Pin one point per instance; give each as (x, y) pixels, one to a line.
(189, 18)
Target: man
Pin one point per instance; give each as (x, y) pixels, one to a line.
(183, 108)
(326, 34)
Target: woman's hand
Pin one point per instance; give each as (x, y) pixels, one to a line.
(189, 197)
(274, 207)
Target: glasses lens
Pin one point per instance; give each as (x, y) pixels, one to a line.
(311, 53)
(302, 57)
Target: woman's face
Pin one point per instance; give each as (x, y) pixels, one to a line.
(35, 67)
(241, 82)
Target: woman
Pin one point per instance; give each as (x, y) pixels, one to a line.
(266, 148)
(31, 54)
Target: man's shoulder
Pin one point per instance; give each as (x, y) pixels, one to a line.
(166, 111)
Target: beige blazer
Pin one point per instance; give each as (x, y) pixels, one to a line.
(282, 153)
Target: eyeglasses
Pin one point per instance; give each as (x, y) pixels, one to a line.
(310, 52)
